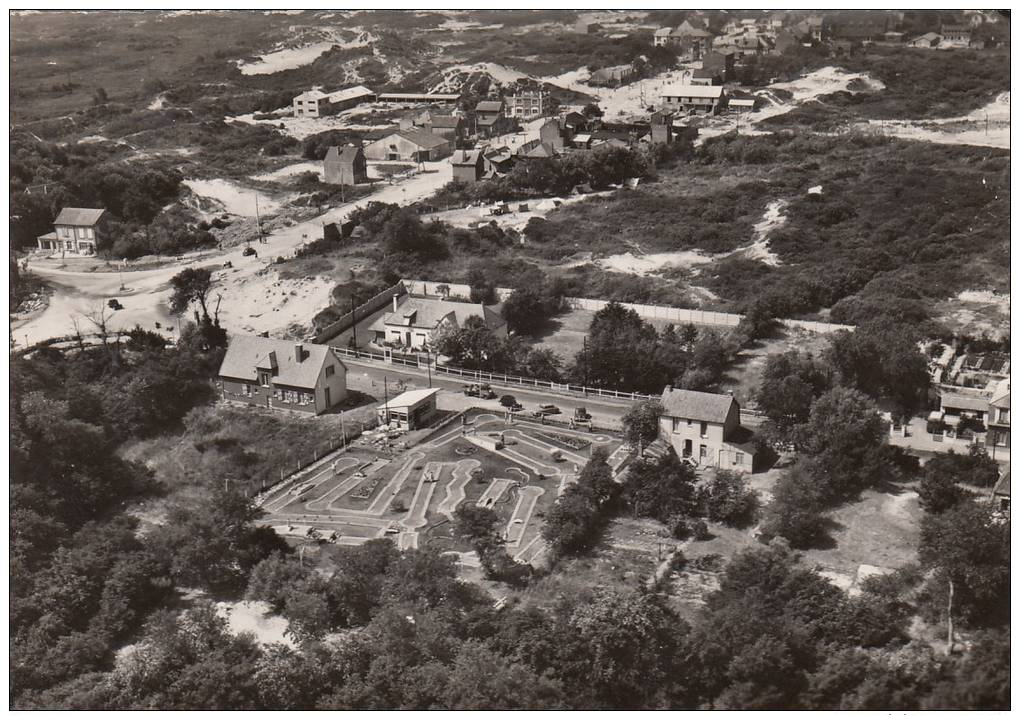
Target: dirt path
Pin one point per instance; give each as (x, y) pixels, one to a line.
(253, 297)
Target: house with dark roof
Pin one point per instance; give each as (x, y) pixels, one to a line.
(345, 165)
(415, 321)
(74, 231)
(449, 126)
(490, 120)
(409, 145)
(706, 77)
(468, 165)
(705, 427)
(497, 161)
(282, 374)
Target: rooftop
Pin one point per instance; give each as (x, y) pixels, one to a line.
(79, 217)
(411, 398)
(427, 313)
(350, 93)
(694, 405)
(488, 105)
(692, 90)
(246, 352)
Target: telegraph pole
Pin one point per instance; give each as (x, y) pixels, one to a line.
(386, 399)
(354, 324)
(258, 219)
(584, 353)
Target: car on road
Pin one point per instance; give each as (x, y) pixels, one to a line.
(543, 410)
(484, 391)
(249, 251)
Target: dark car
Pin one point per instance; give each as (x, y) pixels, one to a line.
(543, 410)
(115, 304)
(249, 251)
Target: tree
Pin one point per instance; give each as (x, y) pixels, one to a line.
(661, 489)
(883, 360)
(797, 510)
(728, 499)
(939, 489)
(190, 286)
(844, 435)
(790, 383)
(641, 424)
(573, 522)
(968, 547)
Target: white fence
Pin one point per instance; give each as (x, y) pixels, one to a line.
(423, 363)
(658, 312)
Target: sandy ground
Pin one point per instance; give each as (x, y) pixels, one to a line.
(253, 617)
(759, 250)
(976, 312)
(988, 126)
(233, 198)
(254, 299)
(289, 58)
(470, 216)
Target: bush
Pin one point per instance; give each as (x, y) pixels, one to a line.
(728, 500)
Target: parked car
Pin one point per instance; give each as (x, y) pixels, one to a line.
(249, 251)
(544, 410)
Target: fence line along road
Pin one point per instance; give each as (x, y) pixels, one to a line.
(507, 379)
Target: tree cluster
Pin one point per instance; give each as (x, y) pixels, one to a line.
(575, 521)
(475, 347)
(626, 353)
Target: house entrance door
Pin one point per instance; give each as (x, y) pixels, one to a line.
(688, 448)
(702, 453)
(328, 402)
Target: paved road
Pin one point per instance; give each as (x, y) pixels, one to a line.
(605, 412)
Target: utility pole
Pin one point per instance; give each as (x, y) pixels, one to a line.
(354, 324)
(343, 430)
(949, 617)
(584, 355)
(428, 365)
(258, 219)
(386, 399)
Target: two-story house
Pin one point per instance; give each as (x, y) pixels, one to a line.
(74, 231)
(345, 165)
(998, 416)
(281, 374)
(415, 322)
(706, 427)
(489, 118)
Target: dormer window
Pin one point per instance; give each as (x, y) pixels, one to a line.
(264, 378)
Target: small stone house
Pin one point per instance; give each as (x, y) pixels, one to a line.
(345, 165)
(415, 322)
(468, 165)
(281, 374)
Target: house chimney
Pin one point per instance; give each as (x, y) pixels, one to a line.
(299, 352)
(394, 303)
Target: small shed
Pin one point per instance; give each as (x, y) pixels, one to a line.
(409, 410)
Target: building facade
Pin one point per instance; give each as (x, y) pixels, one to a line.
(694, 98)
(528, 104)
(998, 417)
(409, 145)
(75, 231)
(345, 165)
(468, 165)
(415, 322)
(409, 410)
(706, 427)
(280, 374)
